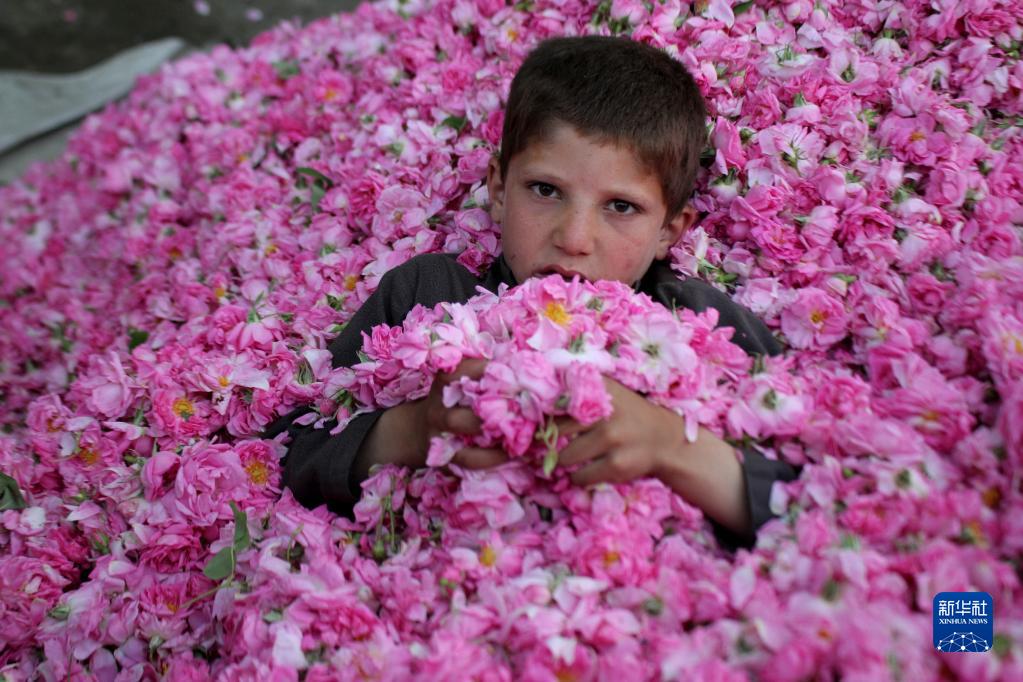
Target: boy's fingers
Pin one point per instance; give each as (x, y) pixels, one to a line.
(585, 447)
(567, 426)
(461, 420)
(479, 458)
(594, 472)
(470, 367)
(609, 469)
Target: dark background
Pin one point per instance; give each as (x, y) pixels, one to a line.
(59, 36)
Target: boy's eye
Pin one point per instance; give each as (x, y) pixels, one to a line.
(623, 207)
(543, 189)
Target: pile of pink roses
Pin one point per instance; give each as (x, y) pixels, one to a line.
(547, 344)
(171, 283)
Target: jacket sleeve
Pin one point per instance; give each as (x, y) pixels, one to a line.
(760, 475)
(759, 472)
(318, 467)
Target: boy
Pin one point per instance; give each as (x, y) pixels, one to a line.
(601, 142)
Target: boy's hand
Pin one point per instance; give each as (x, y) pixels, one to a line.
(632, 443)
(643, 439)
(434, 418)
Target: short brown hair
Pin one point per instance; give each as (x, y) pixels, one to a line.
(617, 90)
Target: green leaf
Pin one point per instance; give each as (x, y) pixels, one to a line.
(136, 337)
(379, 549)
(832, 590)
(654, 606)
(849, 541)
(286, 69)
(273, 616)
(742, 7)
(304, 375)
(336, 302)
(456, 122)
(10, 494)
(316, 175)
(101, 544)
(550, 460)
(241, 529)
(320, 184)
(315, 195)
(59, 612)
(221, 565)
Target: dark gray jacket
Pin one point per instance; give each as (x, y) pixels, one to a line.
(318, 467)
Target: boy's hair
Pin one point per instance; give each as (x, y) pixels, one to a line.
(617, 90)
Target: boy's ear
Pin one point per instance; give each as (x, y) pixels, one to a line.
(673, 229)
(495, 189)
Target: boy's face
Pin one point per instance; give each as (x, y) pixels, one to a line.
(573, 205)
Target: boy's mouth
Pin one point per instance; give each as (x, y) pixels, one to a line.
(558, 270)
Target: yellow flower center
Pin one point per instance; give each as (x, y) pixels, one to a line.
(270, 250)
(184, 408)
(219, 292)
(991, 496)
(930, 415)
(488, 556)
(329, 95)
(351, 281)
(1014, 343)
(257, 471)
(917, 135)
(88, 456)
(817, 317)
(973, 529)
(557, 314)
(174, 253)
(223, 381)
(611, 558)
(565, 675)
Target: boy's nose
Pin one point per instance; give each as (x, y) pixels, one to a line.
(574, 233)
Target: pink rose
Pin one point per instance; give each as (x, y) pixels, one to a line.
(729, 146)
(946, 185)
(159, 472)
(928, 294)
(588, 400)
(169, 548)
(209, 476)
(814, 319)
